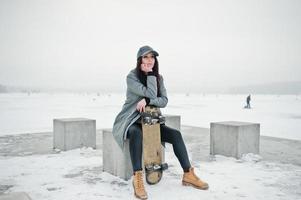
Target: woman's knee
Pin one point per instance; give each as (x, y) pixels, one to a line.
(173, 135)
(177, 135)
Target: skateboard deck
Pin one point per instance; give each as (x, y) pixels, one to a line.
(152, 149)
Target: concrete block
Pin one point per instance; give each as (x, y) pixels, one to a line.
(233, 138)
(71, 133)
(15, 196)
(117, 161)
(173, 121)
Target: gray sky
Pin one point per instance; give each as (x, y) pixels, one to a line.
(93, 44)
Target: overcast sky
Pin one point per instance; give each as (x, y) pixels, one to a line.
(93, 44)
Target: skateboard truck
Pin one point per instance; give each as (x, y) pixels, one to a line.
(156, 167)
(149, 119)
(150, 170)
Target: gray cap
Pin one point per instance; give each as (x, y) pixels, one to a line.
(145, 50)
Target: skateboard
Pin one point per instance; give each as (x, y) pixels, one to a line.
(152, 149)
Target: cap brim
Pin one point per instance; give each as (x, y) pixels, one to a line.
(150, 51)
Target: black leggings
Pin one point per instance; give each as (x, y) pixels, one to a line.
(168, 135)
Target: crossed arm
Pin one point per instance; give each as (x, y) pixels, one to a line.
(149, 92)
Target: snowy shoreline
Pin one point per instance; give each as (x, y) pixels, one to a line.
(279, 116)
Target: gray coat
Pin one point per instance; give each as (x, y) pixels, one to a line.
(136, 91)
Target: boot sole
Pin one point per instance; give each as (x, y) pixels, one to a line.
(143, 198)
(190, 184)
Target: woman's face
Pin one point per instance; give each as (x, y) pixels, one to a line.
(149, 60)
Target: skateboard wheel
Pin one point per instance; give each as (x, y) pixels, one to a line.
(164, 166)
(161, 119)
(147, 120)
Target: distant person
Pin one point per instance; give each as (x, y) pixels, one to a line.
(145, 86)
(248, 101)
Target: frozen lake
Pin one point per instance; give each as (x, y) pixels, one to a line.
(279, 115)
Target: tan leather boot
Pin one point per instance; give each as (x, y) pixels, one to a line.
(138, 185)
(191, 179)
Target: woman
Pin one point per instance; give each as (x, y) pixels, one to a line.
(145, 86)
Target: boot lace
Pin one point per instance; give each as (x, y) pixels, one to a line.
(140, 184)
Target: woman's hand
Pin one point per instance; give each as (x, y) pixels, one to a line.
(146, 67)
(141, 105)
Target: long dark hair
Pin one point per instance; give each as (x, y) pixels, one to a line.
(142, 76)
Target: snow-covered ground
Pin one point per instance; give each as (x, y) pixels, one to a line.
(279, 115)
(77, 174)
